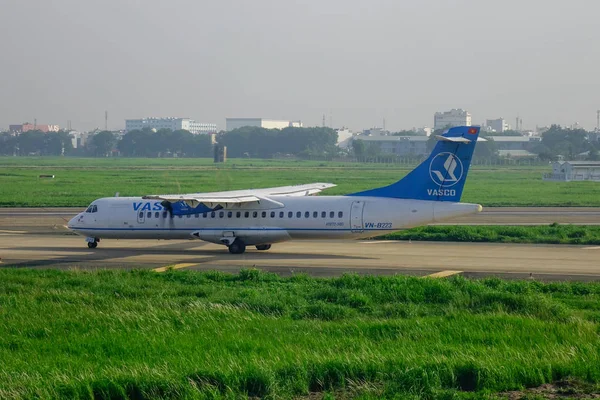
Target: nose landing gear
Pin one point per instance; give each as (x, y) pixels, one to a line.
(92, 243)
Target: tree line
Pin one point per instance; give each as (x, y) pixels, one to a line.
(256, 142)
(243, 142)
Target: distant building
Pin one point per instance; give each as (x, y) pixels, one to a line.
(344, 139)
(32, 127)
(173, 124)
(515, 142)
(235, 123)
(454, 117)
(574, 171)
(497, 125)
(399, 145)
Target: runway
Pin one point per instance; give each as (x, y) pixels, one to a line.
(317, 258)
(35, 237)
(49, 220)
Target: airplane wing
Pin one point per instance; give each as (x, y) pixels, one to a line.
(233, 198)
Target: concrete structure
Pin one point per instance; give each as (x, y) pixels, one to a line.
(32, 127)
(574, 171)
(235, 123)
(515, 142)
(171, 123)
(454, 117)
(399, 145)
(345, 136)
(516, 154)
(497, 125)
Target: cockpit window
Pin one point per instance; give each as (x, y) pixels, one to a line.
(92, 209)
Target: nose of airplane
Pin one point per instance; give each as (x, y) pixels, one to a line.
(73, 221)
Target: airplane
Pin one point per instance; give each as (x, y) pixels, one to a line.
(261, 217)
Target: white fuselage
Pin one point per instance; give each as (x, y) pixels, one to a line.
(302, 217)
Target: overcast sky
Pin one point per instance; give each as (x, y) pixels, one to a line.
(355, 61)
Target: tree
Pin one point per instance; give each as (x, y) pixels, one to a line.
(57, 144)
(102, 144)
(8, 144)
(30, 142)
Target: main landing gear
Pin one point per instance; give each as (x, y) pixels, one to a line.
(238, 246)
(92, 242)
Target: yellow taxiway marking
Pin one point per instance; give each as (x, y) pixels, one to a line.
(174, 266)
(378, 241)
(443, 274)
(13, 232)
(592, 248)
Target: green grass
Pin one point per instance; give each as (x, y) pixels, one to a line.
(552, 234)
(79, 181)
(139, 334)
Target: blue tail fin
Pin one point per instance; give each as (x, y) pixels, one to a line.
(442, 176)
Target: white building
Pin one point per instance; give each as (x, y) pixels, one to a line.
(173, 124)
(454, 117)
(414, 146)
(235, 123)
(345, 136)
(574, 171)
(497, 125)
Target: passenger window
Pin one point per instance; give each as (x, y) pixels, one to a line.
(315, 214)
(212, 214)
(180, 216)
(156, 214)
(264, 214)
(221, 214)
(272, 214)
(246, 214)
(189, 216)
(229, 214)
(204, 215)
(281, 214)
(306, 214)
(164, 214)
(290, 214)
(331, 214)
(255, 214)
(340, 214)
(324, 214)
(196, 215)
(238, 214)
(141, 214)
(299, 214)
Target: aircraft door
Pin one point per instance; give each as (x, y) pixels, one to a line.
(141, 217)
(356, 216)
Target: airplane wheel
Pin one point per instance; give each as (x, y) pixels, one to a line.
(263, 247)
(92, 245)
(237, 247)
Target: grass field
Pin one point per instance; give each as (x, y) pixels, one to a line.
(78, 181)
(142, 335)
(553, 234)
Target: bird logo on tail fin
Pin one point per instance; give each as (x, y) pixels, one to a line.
(447, 174)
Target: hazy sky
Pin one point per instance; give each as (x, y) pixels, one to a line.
(356, 61)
